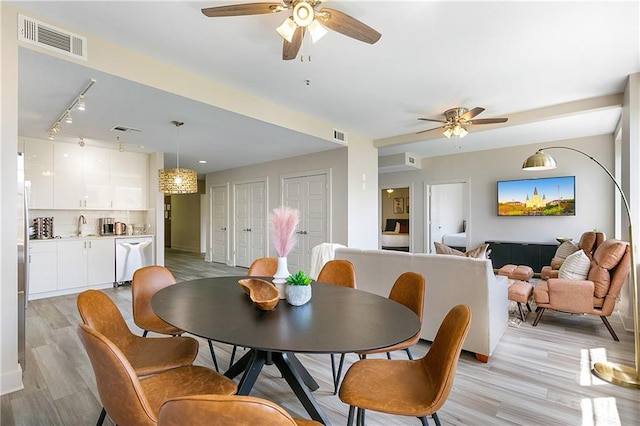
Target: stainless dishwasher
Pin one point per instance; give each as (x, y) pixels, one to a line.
(132, 253)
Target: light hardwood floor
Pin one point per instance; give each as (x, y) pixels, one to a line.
(536, 376)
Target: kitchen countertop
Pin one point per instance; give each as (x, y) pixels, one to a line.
(88, 237)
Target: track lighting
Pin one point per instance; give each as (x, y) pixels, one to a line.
(66, 117)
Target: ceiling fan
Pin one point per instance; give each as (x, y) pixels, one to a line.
(306, 16)
(457, 119)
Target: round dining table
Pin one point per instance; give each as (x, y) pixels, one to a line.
(335, 320)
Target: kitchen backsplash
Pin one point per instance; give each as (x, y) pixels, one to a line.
(65, 222)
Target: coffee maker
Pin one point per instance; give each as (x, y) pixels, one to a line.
(105, 225)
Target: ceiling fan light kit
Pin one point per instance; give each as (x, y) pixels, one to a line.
(457, 119)
(304, 16)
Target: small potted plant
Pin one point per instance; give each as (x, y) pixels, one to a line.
(298, 290)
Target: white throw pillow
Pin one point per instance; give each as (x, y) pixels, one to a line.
(567, 248)
(397, 228)
(575, 267)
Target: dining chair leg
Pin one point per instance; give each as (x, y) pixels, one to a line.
(409, 354)
(144, 334)
(388, 355)
(233, 355)
(213, 355)
(424, 421)
(103, 414)
(336, 379)
(333, 372)
(435, 418)
(350, 418)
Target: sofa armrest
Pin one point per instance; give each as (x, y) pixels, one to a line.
(571, 295)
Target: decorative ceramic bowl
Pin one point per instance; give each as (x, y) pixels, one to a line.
(262, 293)
(563, 239)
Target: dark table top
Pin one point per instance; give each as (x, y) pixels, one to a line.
(336, 320)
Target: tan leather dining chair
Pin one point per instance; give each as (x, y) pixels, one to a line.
(417, 388)
(226, 410)
(407, 290)
(129, 400)
(146, 282)
(342, 273)
(146, 355)
(263, 267)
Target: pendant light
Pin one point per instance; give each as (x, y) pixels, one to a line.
(177, 180)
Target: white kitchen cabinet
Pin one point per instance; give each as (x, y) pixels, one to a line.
(43, 266)
(128, 180)
(85, 262)
(38, 173)
(81, 177)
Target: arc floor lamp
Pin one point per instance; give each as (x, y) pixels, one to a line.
(615, 373)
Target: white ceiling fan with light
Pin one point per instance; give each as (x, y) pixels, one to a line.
(457, 120)
(306, 15)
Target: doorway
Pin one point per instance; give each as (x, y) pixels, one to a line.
(167, 221)
(395, 218)
(447, 214)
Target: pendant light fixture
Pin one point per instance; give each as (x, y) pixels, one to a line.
(177, 180)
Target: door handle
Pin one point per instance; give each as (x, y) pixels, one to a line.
(223, 229)
(301, 232)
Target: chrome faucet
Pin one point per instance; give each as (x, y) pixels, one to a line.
(81, 221)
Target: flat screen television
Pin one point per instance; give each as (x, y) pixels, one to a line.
(554, 196)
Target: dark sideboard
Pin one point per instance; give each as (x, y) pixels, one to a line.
(535, 255)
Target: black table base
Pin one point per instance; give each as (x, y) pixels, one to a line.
(292, 371)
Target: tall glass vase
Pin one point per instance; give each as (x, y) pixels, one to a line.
(280, 278)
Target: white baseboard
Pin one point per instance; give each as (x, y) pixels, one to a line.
(11, 381)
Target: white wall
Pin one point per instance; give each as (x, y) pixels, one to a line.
(335, 159)
(594, 191)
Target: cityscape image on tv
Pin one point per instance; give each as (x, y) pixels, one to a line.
(537, 197)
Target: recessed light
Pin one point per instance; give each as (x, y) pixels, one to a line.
(202, 161)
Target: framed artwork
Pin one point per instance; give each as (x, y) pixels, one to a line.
(398, 205)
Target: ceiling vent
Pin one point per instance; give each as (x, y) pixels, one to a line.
(124, 129)
(53, 38)
(398, 163)
(340, 136)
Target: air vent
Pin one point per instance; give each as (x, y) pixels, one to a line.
(124, 129)
(339, 135)
(49, 37)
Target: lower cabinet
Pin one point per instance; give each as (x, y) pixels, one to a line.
(84, 263)
(60, 266)
(535, 255)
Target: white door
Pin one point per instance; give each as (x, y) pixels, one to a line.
(446, 211)
(250, 207)
(219, 233)
(308, 194)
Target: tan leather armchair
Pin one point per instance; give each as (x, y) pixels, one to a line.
(589, 241)
(597, 294)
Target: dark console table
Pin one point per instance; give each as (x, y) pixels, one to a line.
(535, 255)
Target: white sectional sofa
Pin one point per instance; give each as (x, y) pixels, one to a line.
(450, 280)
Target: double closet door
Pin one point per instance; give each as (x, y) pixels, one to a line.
(250, 231)
(308, 194)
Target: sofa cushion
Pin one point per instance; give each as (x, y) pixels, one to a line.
(445, 249)
(565, 250)
(601, 280)
(575, 267)
(609, 253)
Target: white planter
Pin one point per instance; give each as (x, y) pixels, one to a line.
(298, 294)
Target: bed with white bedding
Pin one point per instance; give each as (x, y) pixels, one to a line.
(395, 235)
(457, 240)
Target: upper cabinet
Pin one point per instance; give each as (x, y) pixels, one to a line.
(81, 177)
(38, 173)
(128, 180)
(68, 177)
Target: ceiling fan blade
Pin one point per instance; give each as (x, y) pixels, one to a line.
(430, 130)
(290, 50)
(432, 119)
(345, 24)
(243, 9)
(471, 113)
(488, 121)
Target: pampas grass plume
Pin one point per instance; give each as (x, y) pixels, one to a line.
(283, 224)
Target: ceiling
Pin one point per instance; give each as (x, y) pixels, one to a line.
(548, 66)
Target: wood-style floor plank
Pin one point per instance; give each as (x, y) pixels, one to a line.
(536, 376)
